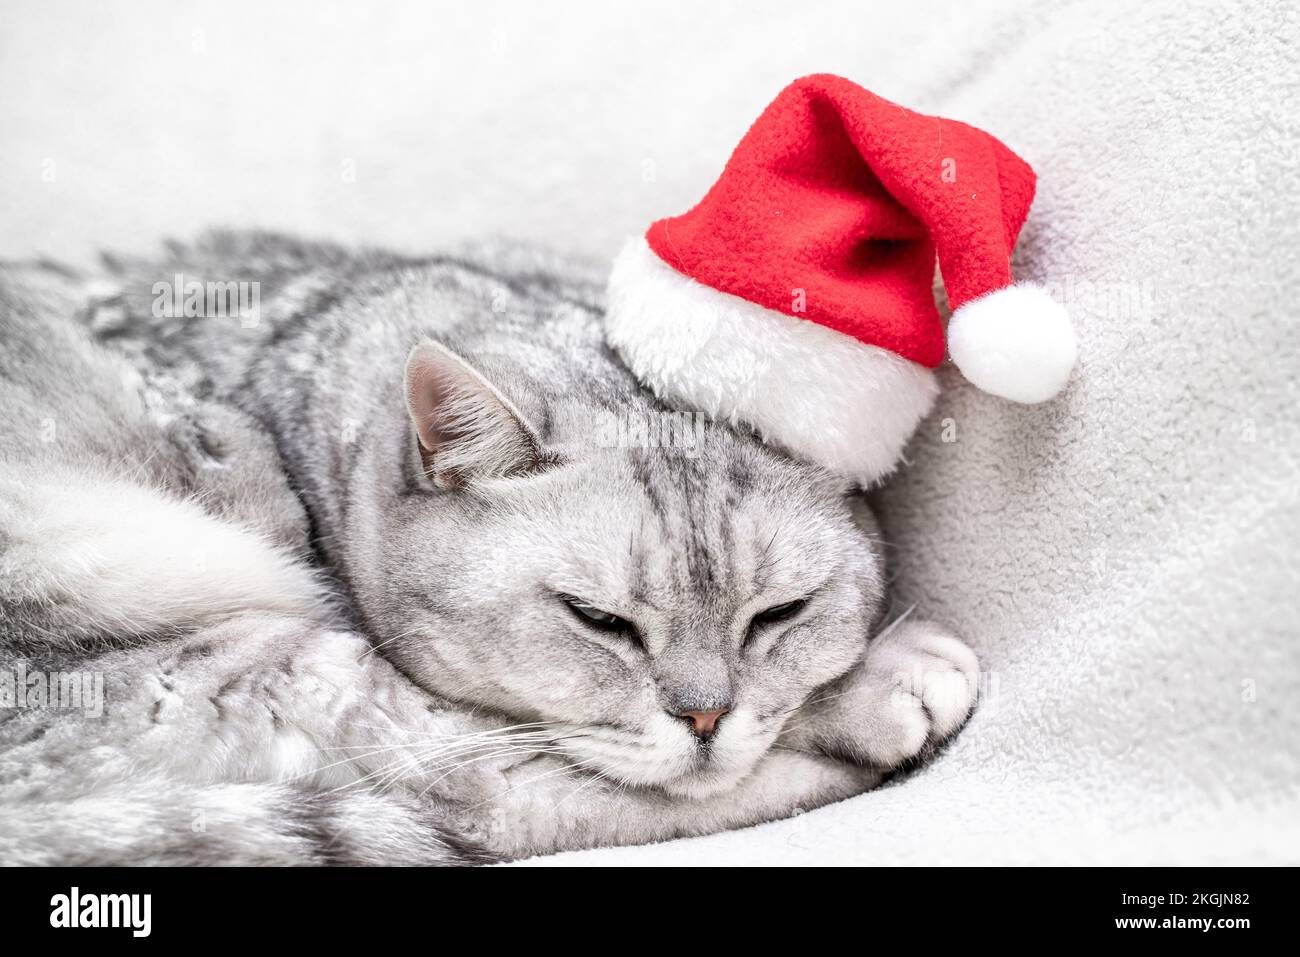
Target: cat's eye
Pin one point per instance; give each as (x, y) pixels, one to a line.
(597, 617)
(776, 614)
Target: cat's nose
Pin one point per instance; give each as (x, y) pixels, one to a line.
(703, 723)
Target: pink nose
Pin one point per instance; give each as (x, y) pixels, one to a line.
(703, 723)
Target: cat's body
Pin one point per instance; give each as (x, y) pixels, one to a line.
(151, 530)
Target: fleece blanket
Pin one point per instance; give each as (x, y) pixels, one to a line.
(1124, 559)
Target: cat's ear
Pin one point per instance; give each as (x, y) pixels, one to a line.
(465, 427)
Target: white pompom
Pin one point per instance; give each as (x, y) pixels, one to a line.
(1015, 342)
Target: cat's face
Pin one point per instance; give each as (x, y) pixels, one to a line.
(627, 595)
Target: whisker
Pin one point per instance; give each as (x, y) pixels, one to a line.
(373, 648)
(896, 622)
(577, 766)
(464, 764)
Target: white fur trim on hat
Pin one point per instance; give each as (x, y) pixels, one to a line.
(1016, 342)
(821, 395)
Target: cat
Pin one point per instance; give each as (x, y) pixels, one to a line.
(407, 568)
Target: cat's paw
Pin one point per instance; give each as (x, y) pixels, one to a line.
(913, 690)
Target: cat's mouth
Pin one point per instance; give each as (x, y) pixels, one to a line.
(665, 755)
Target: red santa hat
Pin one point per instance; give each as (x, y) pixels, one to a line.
(797, 297)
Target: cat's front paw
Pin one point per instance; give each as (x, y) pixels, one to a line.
(912, 691)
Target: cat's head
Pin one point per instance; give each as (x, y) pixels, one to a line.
(666, 608)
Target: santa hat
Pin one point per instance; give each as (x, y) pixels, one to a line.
(797, 297)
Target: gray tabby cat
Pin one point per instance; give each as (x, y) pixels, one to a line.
(383, 574)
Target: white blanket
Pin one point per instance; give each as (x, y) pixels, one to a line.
(1124, 559)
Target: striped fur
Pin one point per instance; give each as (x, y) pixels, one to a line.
(244, 501)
